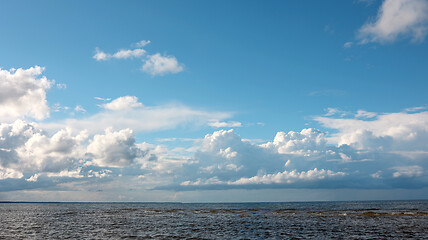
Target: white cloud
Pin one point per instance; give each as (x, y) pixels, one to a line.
(23, 93)
(121, 54)
(57, 107)
(393, 131)
(290, 177)
(142, 43)
(99, 174)
(377, 174)
(160, 65)
(61, 85)
(67, 173)
(347, 45)
(307, 142)
(44, 153)
(365, 114)
(229, 124)
(415, 109)
(408, 171)
(79, 108)
(100, 55)
(102, 99)
(13, 136)
(6, 173)
(285, 177)
(224, 156)
(228, 153)
(26, 148)
(33, 178)
(140, 119)
(113, 149)
(367, 153)
(127, 53)
(123, 103)
(154, 64)
(334, 111)
(397, 18)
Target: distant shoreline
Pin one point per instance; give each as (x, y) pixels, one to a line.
(58, 202)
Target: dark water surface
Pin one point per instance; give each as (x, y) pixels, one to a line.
(319, 220)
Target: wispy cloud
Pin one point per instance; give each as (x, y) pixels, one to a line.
(102, 99)
(121, 54)
(142, 43)
(229, 124)
(347, 44)
(128, 112)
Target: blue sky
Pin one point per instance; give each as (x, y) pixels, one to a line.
(213, 100)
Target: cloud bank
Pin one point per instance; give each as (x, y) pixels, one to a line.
(367, 150)
(386, 151)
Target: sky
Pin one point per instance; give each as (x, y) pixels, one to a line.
(213, 101)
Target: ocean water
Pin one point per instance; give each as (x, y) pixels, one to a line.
(309, 220)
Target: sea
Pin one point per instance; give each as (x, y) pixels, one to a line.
(289, 220)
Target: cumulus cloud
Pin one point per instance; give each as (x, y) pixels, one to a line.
(13, 136)
(25, 147)
(372, 151)
(123, 103)
(50, 153)
(157, 64)
(113, 149)
(398, 131)
(26, 150)
(366, 150)
(397, 19)
(225, 160)
(23, 94)
(306, 142)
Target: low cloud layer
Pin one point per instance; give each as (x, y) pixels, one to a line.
(367, 150)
